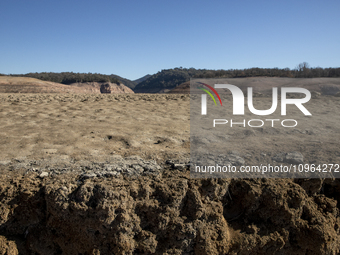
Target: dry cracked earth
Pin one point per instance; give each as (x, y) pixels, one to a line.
(109, 174)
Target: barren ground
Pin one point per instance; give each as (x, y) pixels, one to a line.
(108, 174)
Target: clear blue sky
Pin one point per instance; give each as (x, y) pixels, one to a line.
(135, 38)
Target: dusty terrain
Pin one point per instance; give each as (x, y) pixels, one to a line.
(109, 174)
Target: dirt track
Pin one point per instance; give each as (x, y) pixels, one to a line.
(56, 197)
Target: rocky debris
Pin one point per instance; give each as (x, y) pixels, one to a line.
(87, 176)
(290, 157)
(232, 158)
(337, 94)
(179, 164)
(43, 174)
(131, 166)
(113, 166)
(15, 98)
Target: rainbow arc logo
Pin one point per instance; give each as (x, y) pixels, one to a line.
(208, 92)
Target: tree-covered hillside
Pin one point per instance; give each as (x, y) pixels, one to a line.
(166, 79)
(126, 82)
(70, 77)
(145, 77)
(171, 78)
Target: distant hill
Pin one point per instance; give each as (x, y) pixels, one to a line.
(164, 80)
(264, 85)
(142, 79)
(168, 79)
(171, 78)
(70, 77)
(9, 84)
(129, 83)
(126, 82)
(183, 88)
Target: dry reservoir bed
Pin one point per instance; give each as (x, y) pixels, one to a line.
(108, 174)
(93, 126)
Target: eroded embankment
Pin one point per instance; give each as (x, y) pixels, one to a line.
(166, 212)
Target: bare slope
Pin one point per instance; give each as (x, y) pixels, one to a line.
(32, 85)
(94, 87)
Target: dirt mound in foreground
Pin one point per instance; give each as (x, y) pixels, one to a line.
(167, 214)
